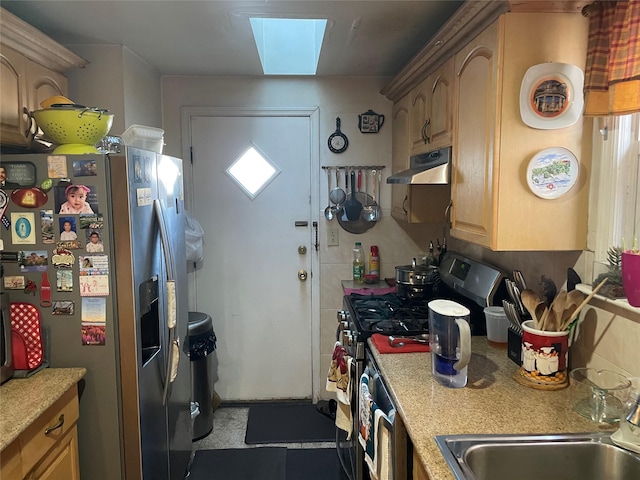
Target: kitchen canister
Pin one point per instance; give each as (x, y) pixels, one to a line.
(544, 358)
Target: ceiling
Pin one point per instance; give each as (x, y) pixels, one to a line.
(211, 37)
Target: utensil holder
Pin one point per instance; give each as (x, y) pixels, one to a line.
(544, 358)
(514, 345)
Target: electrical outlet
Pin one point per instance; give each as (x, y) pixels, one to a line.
(332, 236)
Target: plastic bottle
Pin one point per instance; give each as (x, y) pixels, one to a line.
(374, 262)
(358, 263)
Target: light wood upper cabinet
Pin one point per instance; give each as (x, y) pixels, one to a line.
(492, 147)
(32, 69)
(42, 83)
(412, 203)
(419, 117)
(400, 155)
(476, 98)
(13, 121)
(440, 108)
(431, 111)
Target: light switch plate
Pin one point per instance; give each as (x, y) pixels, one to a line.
(332, 236)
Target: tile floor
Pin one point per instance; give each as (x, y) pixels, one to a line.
(229, 428)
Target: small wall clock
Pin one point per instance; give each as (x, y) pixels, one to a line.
(338, 141)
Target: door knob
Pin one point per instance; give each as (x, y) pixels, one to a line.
(302, 249)
(302, 275)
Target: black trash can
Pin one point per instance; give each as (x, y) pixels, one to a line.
(202, 342)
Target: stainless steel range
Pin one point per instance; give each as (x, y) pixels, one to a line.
(464, 280)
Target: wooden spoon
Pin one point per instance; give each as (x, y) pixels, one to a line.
(542, 312)
(550, 320)
(576, 312)
(557, 306)
(574, 298)
(531, 302)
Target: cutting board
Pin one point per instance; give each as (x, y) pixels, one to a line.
(26, 336)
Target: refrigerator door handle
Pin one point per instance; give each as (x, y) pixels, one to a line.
(164, 238)
(172, 359)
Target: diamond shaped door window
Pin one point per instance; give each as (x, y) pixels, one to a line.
(252, 171)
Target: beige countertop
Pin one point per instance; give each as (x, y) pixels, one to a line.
(23, 400)
(491, 403)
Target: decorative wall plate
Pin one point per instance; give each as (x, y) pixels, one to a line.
(551, 95)
(552, 172)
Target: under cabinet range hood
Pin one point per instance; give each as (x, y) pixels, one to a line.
(431, 168)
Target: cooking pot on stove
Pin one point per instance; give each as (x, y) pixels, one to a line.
(416, 274)
(415, 281)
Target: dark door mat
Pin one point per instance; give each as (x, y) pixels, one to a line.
(313, 464)
(288, 423)
(264, 463)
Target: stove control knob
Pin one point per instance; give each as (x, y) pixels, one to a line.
(344, 324)
(349, 337)
(342, 315)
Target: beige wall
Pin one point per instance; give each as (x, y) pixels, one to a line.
(120, 81)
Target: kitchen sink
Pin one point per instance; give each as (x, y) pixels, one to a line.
(533, 457)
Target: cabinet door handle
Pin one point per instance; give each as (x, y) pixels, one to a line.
(28, 132)
(425, 137)
(56, 426)
(447, 212)
(404, 205)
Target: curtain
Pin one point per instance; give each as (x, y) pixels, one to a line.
(612, 77)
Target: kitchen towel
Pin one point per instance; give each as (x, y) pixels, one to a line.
(338, 375)
(382, 344)
(339, 381)
(343, 412)
(369, 416)
(383, 451)
(372, 435)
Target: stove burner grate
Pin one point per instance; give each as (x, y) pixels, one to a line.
(390, 314)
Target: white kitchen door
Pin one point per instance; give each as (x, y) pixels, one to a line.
(253, 251)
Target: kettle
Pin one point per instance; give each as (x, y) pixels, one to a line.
(449, 342)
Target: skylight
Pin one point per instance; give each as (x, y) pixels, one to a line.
(288, 46)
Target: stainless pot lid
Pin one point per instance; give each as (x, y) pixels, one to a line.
(416, 275)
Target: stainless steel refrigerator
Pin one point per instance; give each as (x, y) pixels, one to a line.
(116, 299)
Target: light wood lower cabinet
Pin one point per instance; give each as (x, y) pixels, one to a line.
(48, 448)
(419, 473)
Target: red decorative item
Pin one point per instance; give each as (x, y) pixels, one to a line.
(27, 336)
(631, 277)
